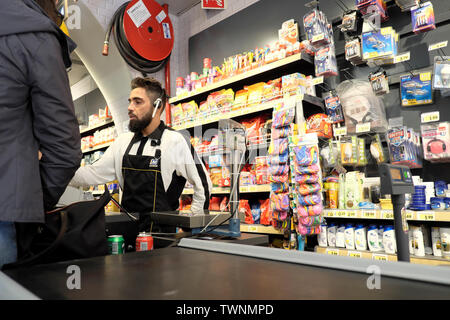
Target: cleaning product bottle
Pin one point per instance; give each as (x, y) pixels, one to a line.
(331, 235)
(322, 236)
(411, 240)
(419, 248)
(360, 237)
(372, 238)
(349, 236)
(390, 246)
(445, 242)
(340, 236)
(436, 241)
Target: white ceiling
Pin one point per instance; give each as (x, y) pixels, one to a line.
(178, 7)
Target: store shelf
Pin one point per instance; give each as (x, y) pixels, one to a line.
(257, 228)
(294, 59)
(381, 256)
(315, 101)
(104, 123)
(99, 147)
(429, 215)
(243, 189)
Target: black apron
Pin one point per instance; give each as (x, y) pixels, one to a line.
(143, 187)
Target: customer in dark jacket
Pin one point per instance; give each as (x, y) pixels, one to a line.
(36, 113)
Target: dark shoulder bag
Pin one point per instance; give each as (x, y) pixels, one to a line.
(76, 231)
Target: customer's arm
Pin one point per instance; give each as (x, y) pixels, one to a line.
(55, 125)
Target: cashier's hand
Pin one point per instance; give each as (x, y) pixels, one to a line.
(39, 155)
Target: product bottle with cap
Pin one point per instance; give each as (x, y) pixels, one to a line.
(372, 238)
(445, 242)
(322, 236)
(331, 235)
(436, 241)
(380, 238)
(419, 248)
(360, 237)
(349, 236)
(390, 246)
(340, 236)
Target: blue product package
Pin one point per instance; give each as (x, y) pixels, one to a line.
(440, 188)
(447, 203)
(379, 44)
(437, 203)
(333, 107)
(416, 90)
(256, 212)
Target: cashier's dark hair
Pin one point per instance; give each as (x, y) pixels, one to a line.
(151, 85)
(49, 6)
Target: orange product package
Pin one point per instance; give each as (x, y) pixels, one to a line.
(266, 213)
(214, 203)
(272, 90)
(319, 124)
(255, 94)
(215, 174)
(190, 109)
(253, 128)
(240, 99)
(177, 113)
(211, 100)
(244, 208)
(224, 100)
(224, 205)
(185, 203)
(203, 109)
(225, 181)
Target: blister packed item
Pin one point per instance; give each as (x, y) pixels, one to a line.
(282, 132)
(317, 28)
(380, 47)
(256, 212)
(309, 200)
(362, 159)
(353, 52)
(312, 169)
(349, 22)
(379, 82)
(306, 155)
(306, 178)
(278, 146)
(311, 221)
(307, 189)
(279, 201)
(333, 107)
(360, 105)
(283, 118)
(279, 187)
(376, 149)
(325, 62)
(349, 150)
(305, 211)
(441, 78)
(436, 141)
(416, 90)
(422, 17)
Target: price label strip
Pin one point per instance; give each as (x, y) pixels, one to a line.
(333, 252)
(430, 116)
(429, 216)
(388, 215)
(355, 254)
(318, 80)
(363, 127)
(341, 214)
(402, 57)
(379, 257)
(438, 45)
(318, 37)
(342, 131)
(369, 214)
(351, 213)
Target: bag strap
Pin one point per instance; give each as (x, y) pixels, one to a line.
(62, 231)
(124, 210)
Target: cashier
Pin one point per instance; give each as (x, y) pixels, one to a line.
(152, 162)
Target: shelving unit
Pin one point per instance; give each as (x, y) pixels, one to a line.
(243, 189)
(257, 228)
(289, 62)
(380, 256)
(429, 215)
(104, 124)
(99, 147)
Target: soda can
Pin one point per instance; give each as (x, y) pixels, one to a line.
(116, 244)
(144, 242)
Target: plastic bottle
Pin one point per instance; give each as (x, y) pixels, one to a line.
(340, 236)
(349, 235)
(372, 238)
(445, 242)
(411, 240)
(390, 246)
(360, 237)
(331, 235)
(419, 248)
(322, 236)
(436, 241)
(380, 238)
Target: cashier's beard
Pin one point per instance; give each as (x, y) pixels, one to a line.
(137, 125)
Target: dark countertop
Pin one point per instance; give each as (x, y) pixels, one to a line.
(181, 273)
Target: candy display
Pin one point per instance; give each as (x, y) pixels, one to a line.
(244, 209)
(416, 89)
(279, 201)
(280, 187)
(279, 146)
(320, 124)
(283, 118)
(422, 17)
(306, 155)
(311, 221)
(300, 170)
(283, 132)
(360, 105)
(309, 200)
(307, 189)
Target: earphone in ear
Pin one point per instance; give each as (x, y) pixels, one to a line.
(157, 105)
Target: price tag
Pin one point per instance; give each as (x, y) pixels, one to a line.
(438, 45)
(430, 116)
(354, 254)
(342, 131)
(330, 214)
(252, 228)
(429, 216)
(402, 57)
(317, 80)
(318, 37)
(333, 252)
(388, 215)
(379, 257)
(244, 189)
(351, 213)
(409, 215)
(369, 214)
(340, 214)
(363, 127)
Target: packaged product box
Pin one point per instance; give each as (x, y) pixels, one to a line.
(255, 93)
(93, 120)
(293, 82)
(240, 99)
(380, 44)
(416, 90)
(436, 141)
